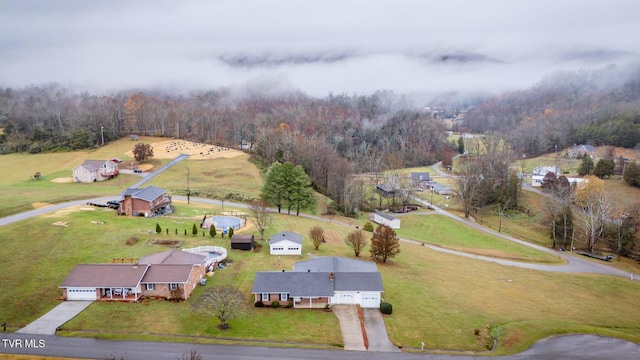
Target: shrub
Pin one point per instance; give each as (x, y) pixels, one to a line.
(259, 304)
(368, 226)
(132, 240)
(386, 308)
(290, 303)
(275, 304)
(158, 228)
(230, 232)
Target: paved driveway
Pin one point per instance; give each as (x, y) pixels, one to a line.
(49, 322)
(377, 332)
(350, 327)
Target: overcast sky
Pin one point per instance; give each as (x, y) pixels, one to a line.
(314, 46)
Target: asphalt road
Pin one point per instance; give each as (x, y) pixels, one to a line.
(583, 347)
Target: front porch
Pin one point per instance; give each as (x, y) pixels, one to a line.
(119, 294)
(310, 303)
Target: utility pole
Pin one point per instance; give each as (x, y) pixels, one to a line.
(102, 134)
(188, 190)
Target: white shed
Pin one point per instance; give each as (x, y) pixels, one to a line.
(386, 219)
(285, 243)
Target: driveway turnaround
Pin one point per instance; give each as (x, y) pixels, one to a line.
(377, 332)
(350, 327)
(49, 322)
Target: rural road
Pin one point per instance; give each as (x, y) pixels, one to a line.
(570, 347)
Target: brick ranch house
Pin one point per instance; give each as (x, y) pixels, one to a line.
(95, 170)
(171, 274)
(150, 201)
(321, 281)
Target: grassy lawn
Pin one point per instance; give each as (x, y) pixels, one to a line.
(441, 230)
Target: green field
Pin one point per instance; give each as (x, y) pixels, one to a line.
(437, 298)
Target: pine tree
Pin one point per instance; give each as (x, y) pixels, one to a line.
(212, 231)
(194, 230)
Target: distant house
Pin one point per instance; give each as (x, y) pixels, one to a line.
(388, 189)
(321, 281)
(285, 243)
(389, 220)
(171, 274)
(150, 201)
(543, 170)
(95, 170)
(439, 188)
(579, 151)
(420, 179)
(242, 242)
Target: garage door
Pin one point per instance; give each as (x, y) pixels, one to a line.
(81, 294)
(347, 298)
(370, 300)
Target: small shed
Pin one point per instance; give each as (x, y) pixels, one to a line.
(242, 242)
(386, 219)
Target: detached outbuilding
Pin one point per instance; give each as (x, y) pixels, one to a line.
(285, 243)
(389, 220)
(242, 242)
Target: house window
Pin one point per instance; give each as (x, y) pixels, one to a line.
(151, 287)
(284, 296)
(173, 286)
(265, 296)
(293, 249)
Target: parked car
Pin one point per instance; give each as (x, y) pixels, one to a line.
(137, 170)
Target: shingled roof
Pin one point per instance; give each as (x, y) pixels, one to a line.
(173, 257)
(148, 194)
(286, 235)
(105, 275)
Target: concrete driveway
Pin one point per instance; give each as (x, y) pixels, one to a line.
(377, 332)
(352, 331)
(49, 322)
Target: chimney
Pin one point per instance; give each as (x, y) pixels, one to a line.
(282, 270)
(308, 270)
(331, 276)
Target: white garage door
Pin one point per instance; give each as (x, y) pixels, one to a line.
(81, 294)
(346, 298)
(370, 300)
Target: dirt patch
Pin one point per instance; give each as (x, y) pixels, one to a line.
(38, 205)
(167, 243)
(62, 180)
(61, 223)
(170, 149)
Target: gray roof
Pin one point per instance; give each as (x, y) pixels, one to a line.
(300, 283)
(242, 239)
(163, 273)
(94, 164)
(105, 275)
(335, 264)
(149, 193)
(437, 185)
(173, 257)
(385, 215)
(420, 176)
(388, 187)
(286, 235)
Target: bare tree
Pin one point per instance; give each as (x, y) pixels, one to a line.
(468, 183)
(597, 208)
(223, 303)
(317, 236)
(261, 215)
(357, 240)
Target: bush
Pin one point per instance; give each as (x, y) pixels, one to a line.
(275, 304)
(368, 226)
(386, 308)
(158, 228)
(132, 240)
(259, 304)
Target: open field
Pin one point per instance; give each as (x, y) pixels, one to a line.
(438, 298)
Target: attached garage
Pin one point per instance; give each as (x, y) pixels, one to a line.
(345, 298)
(77, 293)
(370, 300)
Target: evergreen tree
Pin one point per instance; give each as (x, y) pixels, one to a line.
(461, 145)
(158, 229)
(230, 232)
(212, 230)
(632, 174)
(194, 230)
(604, 168)
(289, 186)
(586, 167)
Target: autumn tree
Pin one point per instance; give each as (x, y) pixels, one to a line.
(142, 152)
(357, 240)
(260, 215)
(224, 303)
(384, 243)
(317, 236)
(597, 207)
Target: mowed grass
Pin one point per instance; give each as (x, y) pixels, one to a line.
(442, 299)
(452, 234)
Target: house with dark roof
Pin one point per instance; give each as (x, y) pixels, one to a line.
(285, 243)
(95, 170)
(439, 188)
(579, 151)
(170, 274)
(150, 201)
(420, 179)
(321, 281)
(387, 219)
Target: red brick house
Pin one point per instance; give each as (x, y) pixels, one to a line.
(171, 274)
(150, 201)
